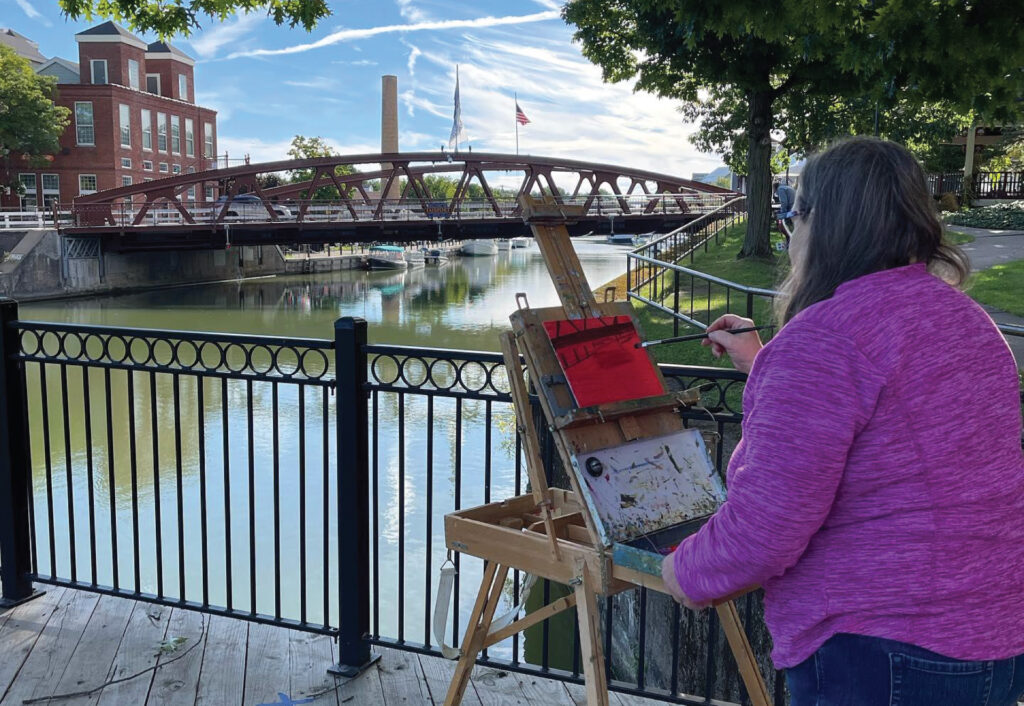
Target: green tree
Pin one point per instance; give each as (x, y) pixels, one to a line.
(30, 123)
(183, 16)
(744, 68)
(309, 148)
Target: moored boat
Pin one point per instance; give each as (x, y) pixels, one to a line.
(480, 248)
(436, 257)
(415, 258)
(520, 242)
(386, 257)
(504, 244)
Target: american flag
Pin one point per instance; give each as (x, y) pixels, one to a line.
(521, 116)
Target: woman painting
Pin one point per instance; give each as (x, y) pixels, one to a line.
(877, 494)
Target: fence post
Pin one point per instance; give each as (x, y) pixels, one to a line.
(353, 474)
(15, 552)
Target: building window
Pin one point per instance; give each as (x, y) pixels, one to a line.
(147, 179)
(147, 130)
(175, 169)
(182, 87)
(126, 181)
(208, 140)
(208, 192)
(190, 142)
(147, 166)
(51, 190)
(86, 184)
(84, 131)
(99, 71)
(126, 126)
(133, 74)
(153, 83)
(29, 197)
(163, 167)
(175, 135)
(161, 131)
(191, 193)
(126, 162)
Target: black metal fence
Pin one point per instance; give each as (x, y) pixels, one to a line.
(987, 184)
(301, 483)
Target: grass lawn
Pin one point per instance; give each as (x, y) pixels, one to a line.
(1000, 286)
(958, 238)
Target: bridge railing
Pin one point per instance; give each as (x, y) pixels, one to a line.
(302, 483)
(125, 214)
(16, 219)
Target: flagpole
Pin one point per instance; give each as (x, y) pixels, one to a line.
(457, 91)
(515, 116)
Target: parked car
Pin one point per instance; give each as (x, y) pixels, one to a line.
(250, 207)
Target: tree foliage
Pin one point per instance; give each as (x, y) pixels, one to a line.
(181, 17)
(307, 148)
(744, 68)
(30, 123)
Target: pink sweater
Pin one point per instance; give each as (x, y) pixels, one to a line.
(879, 485)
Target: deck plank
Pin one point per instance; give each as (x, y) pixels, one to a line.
(401, 679)
(176, 680)
(222, 674)
(20, 630)
(538, 690)
(138, 651)
(309, 656)
(46, 663)
(93, 660)
(438, 673)
(363, 689)
(497, 687)
(266, 665)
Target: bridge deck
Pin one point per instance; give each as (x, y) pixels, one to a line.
(72, 641)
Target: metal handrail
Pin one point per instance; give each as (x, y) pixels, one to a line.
(690, 225)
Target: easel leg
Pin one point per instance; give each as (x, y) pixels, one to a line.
(590, 643)
(476, 632)
(741, 650)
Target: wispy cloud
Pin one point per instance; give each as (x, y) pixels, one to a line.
(33, 13)
(347, 35)
(410, 13)
(413, 54)
(320, 83)
(360, 62)
(209, 42)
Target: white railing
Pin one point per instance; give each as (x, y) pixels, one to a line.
(31, 219)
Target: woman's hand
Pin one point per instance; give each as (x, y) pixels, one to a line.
(668, 575)
(741, 348)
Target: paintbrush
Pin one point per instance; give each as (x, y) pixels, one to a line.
(697, 336)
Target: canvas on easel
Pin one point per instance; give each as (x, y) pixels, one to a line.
(640, 480)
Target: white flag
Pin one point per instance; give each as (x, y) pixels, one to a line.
(458, 133)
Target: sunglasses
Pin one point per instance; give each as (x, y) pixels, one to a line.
(796, 213)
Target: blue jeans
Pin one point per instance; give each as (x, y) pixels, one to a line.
(854, 670)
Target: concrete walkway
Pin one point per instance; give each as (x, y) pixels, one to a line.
(995, 247)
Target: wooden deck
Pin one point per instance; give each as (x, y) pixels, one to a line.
(72, 642)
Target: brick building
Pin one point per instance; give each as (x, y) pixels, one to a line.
(133, 117)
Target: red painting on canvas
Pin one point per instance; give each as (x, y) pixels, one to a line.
(602, 360)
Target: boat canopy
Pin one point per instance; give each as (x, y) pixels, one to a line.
(387, 248)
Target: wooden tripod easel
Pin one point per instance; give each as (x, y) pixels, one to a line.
(557, 534)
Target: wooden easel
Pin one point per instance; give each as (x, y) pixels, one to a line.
(557, 534)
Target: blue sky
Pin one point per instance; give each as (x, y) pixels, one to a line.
(269, 83)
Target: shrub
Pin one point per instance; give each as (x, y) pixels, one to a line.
(1003, 216)
(949, 202)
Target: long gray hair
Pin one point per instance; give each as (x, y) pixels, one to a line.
(869, 210)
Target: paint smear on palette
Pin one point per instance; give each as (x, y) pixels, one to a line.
(649, 485)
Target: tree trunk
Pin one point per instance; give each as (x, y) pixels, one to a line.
(757, 242)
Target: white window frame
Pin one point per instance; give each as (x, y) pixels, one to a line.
(175, 169)
(146, 115)
(175, 134)
(146, 168)
(126, 180)
(90, 139)
(208, 140)
(190, 138)
(126, 162)
(81, 191)
(157, 77)
(93, 63)
(163, 168)
(161, 132)
(124, 121)
(133, 74)
(182, 87)
(208, 193)
(50, 194)
(30, 194)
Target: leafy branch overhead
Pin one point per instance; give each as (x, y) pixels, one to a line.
(181, 17)
(810, 70)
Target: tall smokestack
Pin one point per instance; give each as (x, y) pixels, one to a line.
(389, 126)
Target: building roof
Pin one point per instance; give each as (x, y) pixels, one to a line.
(109, 32)
(165, 48)
(70, 66)
(22, 45)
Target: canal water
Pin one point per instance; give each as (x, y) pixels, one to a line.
(142, 458)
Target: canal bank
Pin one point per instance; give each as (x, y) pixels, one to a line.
(40, 265)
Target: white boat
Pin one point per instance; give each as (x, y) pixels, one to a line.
(520, 242)
(621, 239)
(386, 257)
(414, 259)
(504, 244)
(436, 257)
(480, 248)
